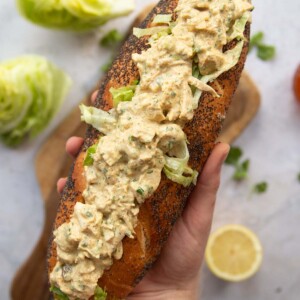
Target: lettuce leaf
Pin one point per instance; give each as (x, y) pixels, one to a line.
(89, 160)
(58, 294)
(237, 31)
(123, 93)
(139, 32)
(100, 294)
(162, 19)
(73, 14)
(31, 91)
(177, 169)
(101, 120)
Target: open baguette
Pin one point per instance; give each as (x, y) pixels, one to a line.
(158, 213)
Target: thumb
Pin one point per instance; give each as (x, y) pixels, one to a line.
(182, 255)
(197, 216)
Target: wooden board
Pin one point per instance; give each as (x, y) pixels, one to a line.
(244, 107)
(31, 281)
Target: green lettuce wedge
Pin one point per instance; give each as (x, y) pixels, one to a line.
(31, 91)
(74, 15)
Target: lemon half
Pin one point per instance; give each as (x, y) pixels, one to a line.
(233, 253)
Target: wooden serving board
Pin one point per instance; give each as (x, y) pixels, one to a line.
(31, 280)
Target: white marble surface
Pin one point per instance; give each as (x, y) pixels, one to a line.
(271, 142)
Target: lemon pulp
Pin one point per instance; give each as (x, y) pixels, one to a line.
(233, 253)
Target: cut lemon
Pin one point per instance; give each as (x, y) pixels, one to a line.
(233, 253)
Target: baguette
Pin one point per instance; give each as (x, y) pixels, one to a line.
(160, 211)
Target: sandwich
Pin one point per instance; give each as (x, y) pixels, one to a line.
(157, 116)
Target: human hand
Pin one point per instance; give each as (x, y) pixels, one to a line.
(175, 275)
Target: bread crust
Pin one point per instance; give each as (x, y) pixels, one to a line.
(159, 212)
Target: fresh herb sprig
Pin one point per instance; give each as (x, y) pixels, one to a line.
(241, 168)
(260, 187)
(264, 52)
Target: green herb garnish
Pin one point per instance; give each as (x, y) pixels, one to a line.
(256, 40)
(298, 177)
(88, 161)
(140, 191)
(241, 171)
(233, 159)
(100, 294)
(234, 155)
(58, 294)
(111, 38)
(264, 52)
(261, 187)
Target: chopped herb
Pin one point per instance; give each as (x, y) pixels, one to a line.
(58, 294)
(234, 155)
(89, 160)
(170, 145)
(256, 40)
(111, 38)
(88, 214)
(266, 52)
(241, 171)
(100, 294)
(140, 191)
(261, 187)
(298, 177)
(150, 189)
(195, 68)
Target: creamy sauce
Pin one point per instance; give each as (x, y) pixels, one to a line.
(129, 159)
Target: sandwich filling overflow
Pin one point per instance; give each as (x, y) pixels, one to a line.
(144, 136)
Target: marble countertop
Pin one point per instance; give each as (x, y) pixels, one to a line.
(271, 142)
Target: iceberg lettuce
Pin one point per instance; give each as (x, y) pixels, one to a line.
(73, 14)
(31, 91)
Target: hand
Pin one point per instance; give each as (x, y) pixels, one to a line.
(175, 275)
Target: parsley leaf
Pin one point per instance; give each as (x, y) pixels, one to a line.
(241, 171)
(140, 191)
(111, 38)
(266, 52)
(234, 155)
(256, 40)
(261, 187)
